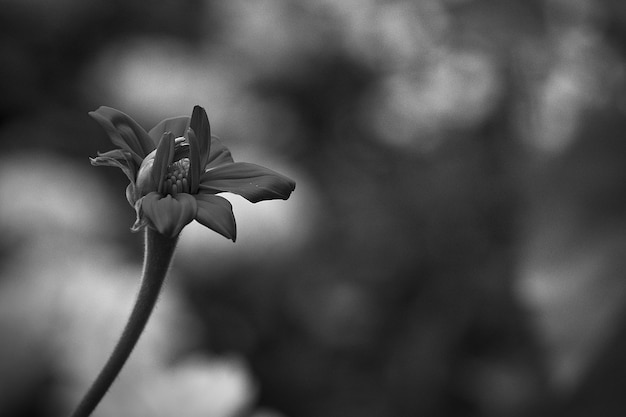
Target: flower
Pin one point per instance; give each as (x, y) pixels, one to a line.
(177, 168)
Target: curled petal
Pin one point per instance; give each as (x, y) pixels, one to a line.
(124, 132)
(253, 182)
(200, 125)
(119, 159)
(195, 167)
(132, 195)
(216, 213)
(168, 215)
(145, 182)
(176, 125)
(219, 154)
(162, 159)
(141, 222)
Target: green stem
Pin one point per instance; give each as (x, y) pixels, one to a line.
(158, 256)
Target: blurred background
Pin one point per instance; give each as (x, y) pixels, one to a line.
(455, 246)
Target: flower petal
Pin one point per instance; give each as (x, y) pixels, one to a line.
(219, 154)
(124, 132)
(117, 158)
(216, 213)
(176, 125)
(253, 182)
(201, 127)
(169, 214)
(162, 159)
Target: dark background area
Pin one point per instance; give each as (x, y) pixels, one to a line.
(454, 247)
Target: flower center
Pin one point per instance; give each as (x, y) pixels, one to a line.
(176, 178)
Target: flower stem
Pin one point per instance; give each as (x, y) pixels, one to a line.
(159, 251)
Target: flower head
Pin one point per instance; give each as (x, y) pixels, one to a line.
(177, 168)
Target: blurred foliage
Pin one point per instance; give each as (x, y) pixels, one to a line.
(457, 154)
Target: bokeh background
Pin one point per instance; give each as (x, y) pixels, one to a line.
(455, 245)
